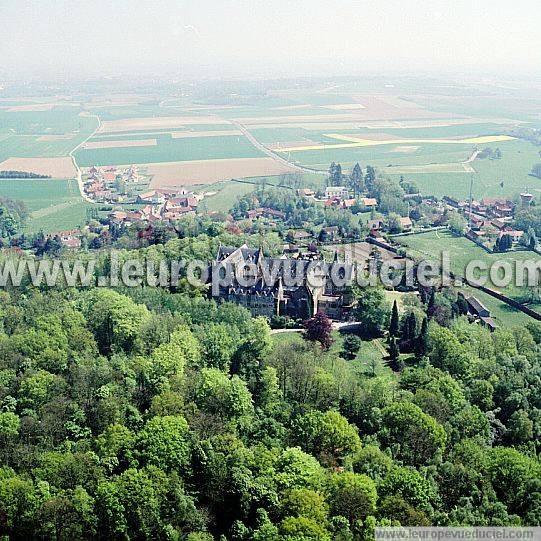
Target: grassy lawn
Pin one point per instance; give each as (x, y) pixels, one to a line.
(398, 297)
(59, 217)
(369, 359)
(304, 179)
(503, 314)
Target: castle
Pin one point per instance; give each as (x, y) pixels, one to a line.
(279, 297)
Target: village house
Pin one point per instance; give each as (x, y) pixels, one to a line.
(503, 211)
(291, 250)
(478, 235)
(368, 203)
(110, 176)
(455, 203)
(499, 223)
(329, 234)
(499, 208)
(406, 223)
(153, 197)
(306, 192)
(348, 203)
(265, 212)
(476, 222)
(341, 192)
(332, 202)
(70, 239)
(118, 216)
(302, 235)
(515, 234)
(479, 208)
(375, 226)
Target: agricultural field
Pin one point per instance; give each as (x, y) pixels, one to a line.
(169, 149)
(427, 135)
(194, 172)
(53, 132)
(461, 250)
(513, 170)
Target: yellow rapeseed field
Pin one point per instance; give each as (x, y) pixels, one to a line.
(353, 142)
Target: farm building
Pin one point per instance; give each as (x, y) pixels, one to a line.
(476, 307)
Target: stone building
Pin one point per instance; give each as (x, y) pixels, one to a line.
(301, 287)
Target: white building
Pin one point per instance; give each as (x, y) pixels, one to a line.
(341, 192)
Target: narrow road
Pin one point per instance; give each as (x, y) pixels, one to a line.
(272, 154)
(79, 177)
(467, 164)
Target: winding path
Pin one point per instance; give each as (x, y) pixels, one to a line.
(336, 325)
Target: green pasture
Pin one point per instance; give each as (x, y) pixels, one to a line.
(20, 132)
(28, 146)
(518, 158)
(136, 110)
(230, 191)
(163, 133)
(502, 313)
(522, 108)
(294, 181)
(58, 121)
(461, 251)
(254, 111)
(227, 195)
(54, 205)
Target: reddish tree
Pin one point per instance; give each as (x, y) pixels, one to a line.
(318, 329)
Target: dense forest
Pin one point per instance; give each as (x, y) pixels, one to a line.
(146, 414)
(13, 216)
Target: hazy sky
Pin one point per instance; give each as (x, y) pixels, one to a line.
(273, 38)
